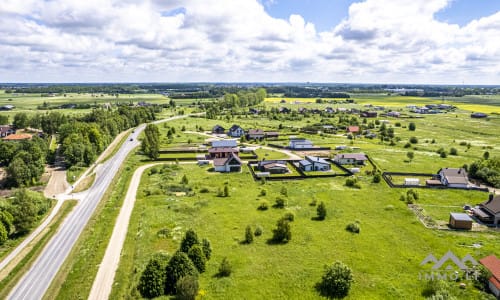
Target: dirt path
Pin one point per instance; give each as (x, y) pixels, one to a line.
(57, 183)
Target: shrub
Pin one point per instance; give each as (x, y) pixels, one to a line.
(207, 248)
(263, 192)
(282, 233)
(179, 266)
(204, 190)
(482, 278)
(258, 230)
(412, 126)
(463, 143)
(443, 154)
(321, 211)
(290, 216)
(389, 207)
(198, 258)
(280, 203)
(336, 281)
(187, 288)
(353, 227)
(284, 192)
(248, 235)
(414, 140)
(264, 205)
(407, 145)
(397, 124)
(313, 202)
(3, 234)
(226, 191)
(377, 178)
(225, 268)
(453, 151)
(184, 180)
(189, 240)
(152, 280)
(352, 182)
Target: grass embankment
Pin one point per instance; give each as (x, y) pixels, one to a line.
(85, 183)
(385, 256)
(77, 274)
(32, 251)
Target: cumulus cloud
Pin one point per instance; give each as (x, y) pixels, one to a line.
(225, 40)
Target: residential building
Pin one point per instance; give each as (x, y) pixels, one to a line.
(454, 177)
(350, 158)
(231, 143)
(256, 134)
(6, 130)
(18, 137)
(489, 211)
(236, 131)
(313, 163)
(273, 166)
(232, 163)
(353, 129)
(221, 152)
(218, 129)
(298, 143)
(492, 263)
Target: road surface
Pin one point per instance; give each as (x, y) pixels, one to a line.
(37, 279)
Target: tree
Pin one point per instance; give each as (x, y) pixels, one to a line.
(226, 191)
(6, 219)
(151, 143)
(25, 208)
(225, 268)
(4, 120)
(412, 126)
(482, 278)
(207, 248)
(486, 155)
(336, 281)
(184, 179)
(377, 178)
(3, 234)
(179, 266)
(321, 211)
(248, 235)
(187, 288)
(189, 240)
(198, 258)
(282, 233)
(20, 120)
(410, 155)
(152, 281)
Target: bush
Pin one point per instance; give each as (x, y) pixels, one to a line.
(453, 151)
(258, 230)
(207, 248)
(179, 266)
(225, 268)
(353, 227)
(189, 240)
(280, 203)
(407, 145)
(264, 205)
(443, 154)
(3, 234)
(263, 192)
(152, 280)
(290, 216)
(282, 233)
(336, 281)
(204, 190)
(187, 288)
(397, 124)
(198, 258)
(482, 278)
(377, 178)
(248, 235)
(313, 202)
(321, 211)
(414, 140)
(284, 192)
(412, 126)
(352, 182)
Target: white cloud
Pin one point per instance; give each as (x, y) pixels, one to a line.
(225, 40)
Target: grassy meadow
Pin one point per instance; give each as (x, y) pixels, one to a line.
(384, 257)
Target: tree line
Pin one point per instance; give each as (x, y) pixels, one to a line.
(234, 101)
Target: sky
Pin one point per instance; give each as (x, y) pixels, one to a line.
(345, 41)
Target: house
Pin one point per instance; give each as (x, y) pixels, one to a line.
(489, 211)
(454, 177)
(18, 137)
(6, 130)
(329, 110)
(232, 163)
(313, 163)
(222, 152)
(284, 110)
(236, 131)
(7, 107)
(255, 134)
(350, 159)
(478, 115)
(394, 114)
(253, 111)
(298, 143)
(302, 110)
(460, 221)
(231, 143)
(492, 263)
(369, 114)
(272, 134)
(273, 166)
(217, 129)
(353, 129)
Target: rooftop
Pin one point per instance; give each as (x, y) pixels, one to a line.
(492, 263)
(461, 217)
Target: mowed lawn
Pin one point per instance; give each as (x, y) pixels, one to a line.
(384, 257)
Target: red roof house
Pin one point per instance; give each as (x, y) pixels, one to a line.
(492, 263)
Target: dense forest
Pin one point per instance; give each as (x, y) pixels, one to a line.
(82, 138)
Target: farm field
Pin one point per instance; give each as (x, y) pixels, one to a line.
(384, 257)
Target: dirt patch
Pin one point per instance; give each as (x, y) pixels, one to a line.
(57, 183)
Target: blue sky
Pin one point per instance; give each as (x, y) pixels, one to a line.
(370, 41)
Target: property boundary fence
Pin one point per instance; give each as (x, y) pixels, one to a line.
(388, 178)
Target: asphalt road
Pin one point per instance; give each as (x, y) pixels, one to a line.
(37, 279)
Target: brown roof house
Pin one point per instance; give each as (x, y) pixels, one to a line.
(232, 163)
(6, 130)
(273, 166)
(350, 159)
(460, 221)
(454, 177)
(492, 263)
(222, 152)
(489, 211)
(256, 134)
(353, 129)
(18, 137)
